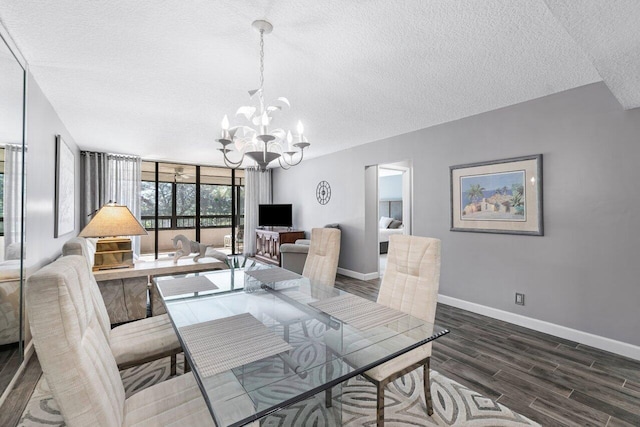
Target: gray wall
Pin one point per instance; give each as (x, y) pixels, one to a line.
(43, 124)
(582, 274)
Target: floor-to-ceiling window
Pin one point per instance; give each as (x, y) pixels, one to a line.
(204, 203)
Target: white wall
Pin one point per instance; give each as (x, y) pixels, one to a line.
(43, 124)
(583, 274)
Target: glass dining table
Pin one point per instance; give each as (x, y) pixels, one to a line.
(261, 339)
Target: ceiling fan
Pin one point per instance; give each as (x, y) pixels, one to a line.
(179, 174)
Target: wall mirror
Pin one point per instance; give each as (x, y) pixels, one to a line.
(12, 149)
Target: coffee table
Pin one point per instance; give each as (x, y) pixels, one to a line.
(260, 338)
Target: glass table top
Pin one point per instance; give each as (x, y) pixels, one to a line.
(287, 350)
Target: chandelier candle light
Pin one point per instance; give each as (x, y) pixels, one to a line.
(261, 145)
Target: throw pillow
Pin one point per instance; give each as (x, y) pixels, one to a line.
(395, 224)
(385, 221)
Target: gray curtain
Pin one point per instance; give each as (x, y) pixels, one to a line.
(12, 206)
(112, 177)
(94, 185)
(257, 191)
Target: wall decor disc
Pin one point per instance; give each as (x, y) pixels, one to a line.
(323, 192)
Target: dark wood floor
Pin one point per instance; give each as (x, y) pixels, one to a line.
(9, 363)
(551, 380)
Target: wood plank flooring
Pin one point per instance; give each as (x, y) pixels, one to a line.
(14, 405)
(551, 380)
(9, 363)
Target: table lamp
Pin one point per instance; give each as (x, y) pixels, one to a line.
(110, 221)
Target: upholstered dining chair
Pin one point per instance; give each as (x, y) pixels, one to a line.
(136, 342)
(410, 284)
(78, 364)
(321, 264)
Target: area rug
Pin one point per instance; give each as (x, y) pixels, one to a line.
(453, 403)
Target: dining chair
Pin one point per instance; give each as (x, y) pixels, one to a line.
(410, 284)
(136, 342)
(78, 364)
(321, 264)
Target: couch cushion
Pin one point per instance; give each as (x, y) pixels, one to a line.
(148, 338)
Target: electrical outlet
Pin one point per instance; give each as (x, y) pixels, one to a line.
(519, 298)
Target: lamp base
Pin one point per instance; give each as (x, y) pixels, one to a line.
(113, 253)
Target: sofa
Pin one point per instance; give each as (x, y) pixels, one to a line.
(294, 255)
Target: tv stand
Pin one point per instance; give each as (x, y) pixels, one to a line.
(268, 243)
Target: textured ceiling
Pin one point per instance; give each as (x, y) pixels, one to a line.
(154, 78)
(609, 32)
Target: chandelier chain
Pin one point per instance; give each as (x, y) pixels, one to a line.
(262, 69)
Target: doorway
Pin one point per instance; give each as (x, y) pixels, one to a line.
(394, 206)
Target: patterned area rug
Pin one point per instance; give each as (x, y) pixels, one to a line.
(453, 404)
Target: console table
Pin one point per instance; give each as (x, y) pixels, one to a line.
(126, 291)
(268, 243)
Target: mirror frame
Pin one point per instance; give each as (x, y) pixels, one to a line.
(5, 38)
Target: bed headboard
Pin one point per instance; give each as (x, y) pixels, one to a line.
(391, 209)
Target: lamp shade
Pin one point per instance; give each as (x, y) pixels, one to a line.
(113, 220)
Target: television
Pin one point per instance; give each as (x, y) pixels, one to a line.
(275, 216)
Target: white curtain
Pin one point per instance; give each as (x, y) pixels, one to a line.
(112, 177)
(257, 191)
(12, 203)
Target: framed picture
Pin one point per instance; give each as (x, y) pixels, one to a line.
(65, 189)
(500, 196)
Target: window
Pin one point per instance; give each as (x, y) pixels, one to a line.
(148, 204)
(208, 218)
(215, 205)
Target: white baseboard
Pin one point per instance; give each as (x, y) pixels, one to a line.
(357, 275)
(603, 343)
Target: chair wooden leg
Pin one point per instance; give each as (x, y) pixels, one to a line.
(173, 365)
(380, 405)
(304, 328)
(187, 367)
(427, 387)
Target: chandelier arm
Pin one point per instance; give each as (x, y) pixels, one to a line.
(292, 163)
(231, 164)
(281, 165)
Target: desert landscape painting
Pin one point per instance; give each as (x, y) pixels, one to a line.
(493, 197)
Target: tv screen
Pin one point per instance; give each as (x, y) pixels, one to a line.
(275, 216)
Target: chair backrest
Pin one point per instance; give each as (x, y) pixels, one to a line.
(75, 356)
(321, 264)
(87, 248)
(412, 277)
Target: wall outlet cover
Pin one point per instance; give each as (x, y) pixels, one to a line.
(519, 298)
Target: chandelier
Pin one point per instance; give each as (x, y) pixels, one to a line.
(254, 140)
